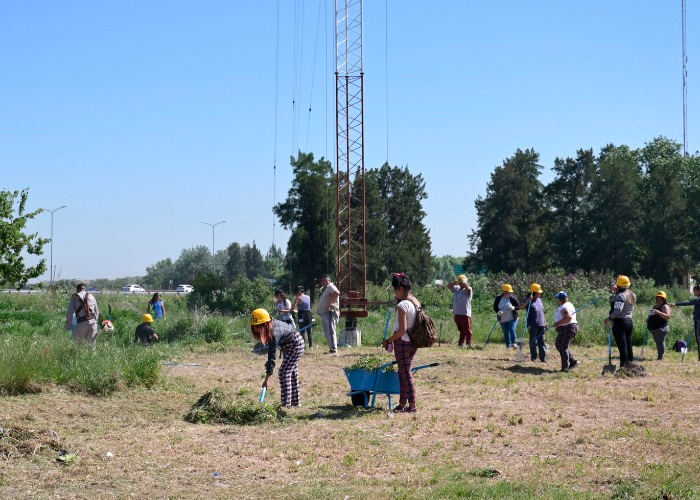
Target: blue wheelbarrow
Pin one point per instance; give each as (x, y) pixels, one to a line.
(365, 383)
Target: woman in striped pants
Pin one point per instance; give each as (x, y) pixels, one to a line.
(275, 333)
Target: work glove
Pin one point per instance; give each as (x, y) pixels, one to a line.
(499, 313)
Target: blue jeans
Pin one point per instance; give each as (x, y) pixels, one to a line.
(537, 342)
(509, 334)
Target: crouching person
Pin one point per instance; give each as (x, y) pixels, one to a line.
(144, 333)
(275, 333)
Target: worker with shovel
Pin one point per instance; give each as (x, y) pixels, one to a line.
(567, 328)
(696, 313)
(621, 318)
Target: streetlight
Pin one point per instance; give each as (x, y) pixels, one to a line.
(212, 234)
(51, 261)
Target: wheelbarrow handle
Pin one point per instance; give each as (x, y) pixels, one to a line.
(384, 367)
(414, 370)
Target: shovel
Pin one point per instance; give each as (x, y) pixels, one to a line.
(609, 368)
(263, 394)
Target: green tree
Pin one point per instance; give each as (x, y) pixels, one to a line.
(159, 274)
(665, 227)
(567, 202)
(14, 241)
(309, 213)
(443, 267)
(274, 263)
(509, 234)
(191, 262)
(691, 192)
(235, 266)
(614, 240)
(254, 264)
(397, 238)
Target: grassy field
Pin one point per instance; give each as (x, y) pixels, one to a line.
(488, 426)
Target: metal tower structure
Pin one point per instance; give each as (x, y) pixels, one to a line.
(685, 85)
(350, 163)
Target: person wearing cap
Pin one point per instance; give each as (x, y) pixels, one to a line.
(144, 332)
(506, 306)
(83, 306)
(567, 328)
(657, 322)
(462, 308)
(696, 313)
(621, 318)
(536, 322)
(275, 333)
(328, 307)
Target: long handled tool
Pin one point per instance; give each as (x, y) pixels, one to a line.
(521, 356)
(488, 338)
(263, 394)
(644, 343)
(609, 368)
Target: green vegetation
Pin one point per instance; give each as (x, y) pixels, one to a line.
(217, 407)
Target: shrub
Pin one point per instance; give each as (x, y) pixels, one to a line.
(214, 329)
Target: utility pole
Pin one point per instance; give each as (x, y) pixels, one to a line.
(685, 84)
(51, 247)
(212, 234)
(350, 167)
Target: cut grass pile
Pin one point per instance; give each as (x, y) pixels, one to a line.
(218, 407)
(18, 442)
(371, 362)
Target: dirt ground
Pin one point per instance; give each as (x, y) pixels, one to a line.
(488, 426)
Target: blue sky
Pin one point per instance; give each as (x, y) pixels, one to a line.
(147, 118)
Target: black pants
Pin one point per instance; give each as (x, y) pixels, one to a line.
(304, 322)
(622, 331)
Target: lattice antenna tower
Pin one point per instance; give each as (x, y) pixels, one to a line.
(685, 84)
(350, 163)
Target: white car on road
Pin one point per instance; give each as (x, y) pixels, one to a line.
(133, 289)
(184, 288)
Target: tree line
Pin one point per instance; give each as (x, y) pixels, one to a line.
(626, 211)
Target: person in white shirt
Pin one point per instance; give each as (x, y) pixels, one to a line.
(567, 328)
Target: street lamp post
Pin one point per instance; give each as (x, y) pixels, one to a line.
(51, 247)
(212, 234)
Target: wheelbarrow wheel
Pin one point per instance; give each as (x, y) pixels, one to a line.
(360, 398)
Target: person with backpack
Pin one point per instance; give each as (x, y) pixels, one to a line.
(657, 323)
(406, 310)
(696, 315)
(506, 306)
(621, 317)
(84, 306)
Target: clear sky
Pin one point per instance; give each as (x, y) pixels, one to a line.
(147, 118)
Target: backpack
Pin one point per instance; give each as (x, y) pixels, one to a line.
(680, 345)
(423, 333)
(85, 307)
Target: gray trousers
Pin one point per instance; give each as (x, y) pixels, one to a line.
(660, 338)
(86, 332)
(330, 322)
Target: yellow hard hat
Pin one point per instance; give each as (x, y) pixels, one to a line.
(507, 288)
(623, 281)
(535, 287)
(461, 278)
(147, 318)
(661, 294)
(259, 316)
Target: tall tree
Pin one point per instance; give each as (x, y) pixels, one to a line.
(192, 262)
(508, 233)
(254, 265)
(14, 242)
(614, 240)
(309, 213)
(274, 262)
(235, 266)
(397, 238)
(567, 203)
(665, 225)
(159, 274)
(691, 190)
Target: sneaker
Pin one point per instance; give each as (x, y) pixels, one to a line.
(410, 410)
(574, 364)
(400, 409)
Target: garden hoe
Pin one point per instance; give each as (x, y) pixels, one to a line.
(609, 368)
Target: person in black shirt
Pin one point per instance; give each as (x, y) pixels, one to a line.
(144, 333)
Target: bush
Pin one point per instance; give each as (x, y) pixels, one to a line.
(214, 329)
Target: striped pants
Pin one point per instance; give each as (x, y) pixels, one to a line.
(404, 353)
(289, 370)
